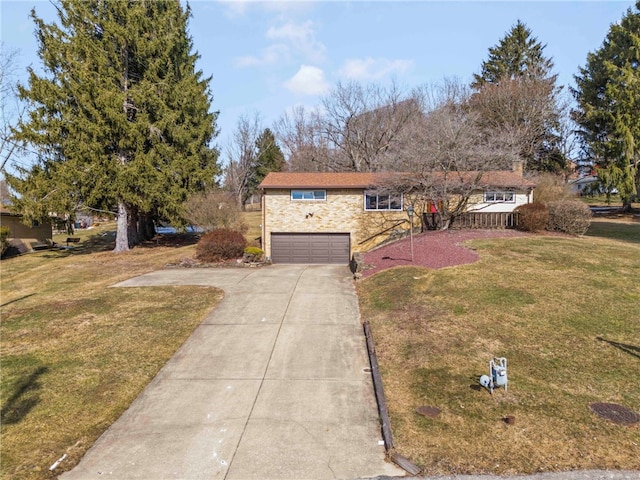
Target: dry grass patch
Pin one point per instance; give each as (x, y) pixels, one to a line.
(559, 309)
(253, 221)
(76, 353)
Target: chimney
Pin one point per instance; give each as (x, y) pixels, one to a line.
(517, 167)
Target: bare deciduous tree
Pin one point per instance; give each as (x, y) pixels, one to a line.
(448, 155)
(358, 129)
(241, 154)
(213, 209)
(525, 112)
(299, 133)
(365, 124)
(11, 109)
(568, 138)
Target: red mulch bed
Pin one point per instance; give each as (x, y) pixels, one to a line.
(437, 249)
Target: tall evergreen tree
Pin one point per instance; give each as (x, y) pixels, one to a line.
(516, 92)
(121, 118)
(269, 158)
(518, 54)
(608, 96)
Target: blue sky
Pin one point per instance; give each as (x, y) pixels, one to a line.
(268, 57)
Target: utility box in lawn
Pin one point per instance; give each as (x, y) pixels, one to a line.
(497, 374)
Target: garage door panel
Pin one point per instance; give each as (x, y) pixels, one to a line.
(310, 248)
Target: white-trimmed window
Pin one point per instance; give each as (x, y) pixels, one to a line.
(500, 196)
(301, 195)
(376, 201)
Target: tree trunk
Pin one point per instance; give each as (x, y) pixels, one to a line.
(146, 228)
(151, 227)
(239, 197)
(122, 228)
(134, 233)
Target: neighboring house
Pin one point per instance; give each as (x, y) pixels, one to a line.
(25, 238)
(326, 217)
(587, 185)
(83, 220)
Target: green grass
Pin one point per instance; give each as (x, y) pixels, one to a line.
(565, 312)
(603, 201)
(75, 352)
(626, 228)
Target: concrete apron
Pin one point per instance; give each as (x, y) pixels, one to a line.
(271, 385)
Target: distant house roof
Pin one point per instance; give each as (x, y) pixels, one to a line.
(584, 180)
(506, 179)
(498, 179)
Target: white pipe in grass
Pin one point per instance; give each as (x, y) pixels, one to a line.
(57, 462)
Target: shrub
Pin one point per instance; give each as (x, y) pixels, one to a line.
(253, 254)
(219, 245)
(258, 252)
(552, 188)
(4, 239)
(572, 217)
(532, 217)
(212, 210)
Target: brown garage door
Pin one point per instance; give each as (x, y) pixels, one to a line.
(310, 248)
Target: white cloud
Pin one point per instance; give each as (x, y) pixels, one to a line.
(291, 40)
(271, 55)
(291, 31)
(289, 7)
(235, 8)
(301, 37)
(308, 80)
(373, 68)
(238, 8)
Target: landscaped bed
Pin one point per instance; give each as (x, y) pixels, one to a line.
(564, 311)
(437, 249)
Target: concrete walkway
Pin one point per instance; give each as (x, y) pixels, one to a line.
(272, 385)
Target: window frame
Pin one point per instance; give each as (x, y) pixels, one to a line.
(501, 193)
(389, 201)
(307, 191)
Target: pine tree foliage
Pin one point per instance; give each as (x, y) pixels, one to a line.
(121, 118)
(269, 158)
(516, 93)
(252, 154)
(608, 97)
(517, 55)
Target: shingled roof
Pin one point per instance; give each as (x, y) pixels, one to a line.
(496, 179)
(321, 180)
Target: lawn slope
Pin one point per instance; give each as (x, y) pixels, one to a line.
(75, 352)
(565, 312)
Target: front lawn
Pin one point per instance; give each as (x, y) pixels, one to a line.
(565, 312)
(75, 352)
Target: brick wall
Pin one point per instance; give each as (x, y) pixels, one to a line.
(341, 212)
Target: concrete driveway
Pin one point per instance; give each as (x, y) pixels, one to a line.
(272, 385)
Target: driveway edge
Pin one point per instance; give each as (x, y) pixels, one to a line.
(383, 411)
